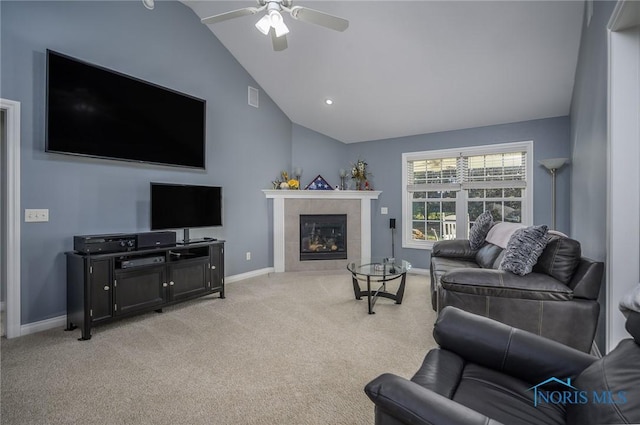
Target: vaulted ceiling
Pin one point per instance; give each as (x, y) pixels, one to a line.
(412, 67)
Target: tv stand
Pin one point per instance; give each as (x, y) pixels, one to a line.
(197, 240)
(102, 288)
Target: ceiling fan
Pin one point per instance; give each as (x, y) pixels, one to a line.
(272, 22)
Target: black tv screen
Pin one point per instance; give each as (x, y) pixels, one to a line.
(93, 111)
(175, 206)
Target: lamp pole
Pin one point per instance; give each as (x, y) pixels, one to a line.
(553, 165)
(553, 198)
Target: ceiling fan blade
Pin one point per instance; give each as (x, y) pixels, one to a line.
(279, 43)
(230, 15)
(319, 18)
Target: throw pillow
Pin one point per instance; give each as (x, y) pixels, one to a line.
(479, 230)
(501, 232)
(523, 249)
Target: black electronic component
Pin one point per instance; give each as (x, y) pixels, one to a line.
(155, 239)
(92, 244)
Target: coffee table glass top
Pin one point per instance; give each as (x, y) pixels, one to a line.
(379, 267)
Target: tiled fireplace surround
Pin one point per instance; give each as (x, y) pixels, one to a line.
(289, 204)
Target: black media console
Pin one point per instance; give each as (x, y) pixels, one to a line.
(106, 287)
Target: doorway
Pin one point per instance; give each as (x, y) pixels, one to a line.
(3, 221)
(623, 221)
(10, 217)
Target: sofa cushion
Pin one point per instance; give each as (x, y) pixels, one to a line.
(523, 249)
(499, 283)
(560, 258)
(496, 264)
(487, 255)
(479, 230)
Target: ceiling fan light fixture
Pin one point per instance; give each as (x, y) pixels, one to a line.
(275, 18)
(277, 22)
(281, 29)
(149, 4)
(264, 24)
(272, 23)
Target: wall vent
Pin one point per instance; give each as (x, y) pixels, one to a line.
(254, 96)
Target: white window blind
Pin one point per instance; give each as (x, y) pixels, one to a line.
(492, 171)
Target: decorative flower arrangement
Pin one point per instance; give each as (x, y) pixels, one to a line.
(360, 173)
(284, 182)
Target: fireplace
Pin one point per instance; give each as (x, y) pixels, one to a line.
(323, 237)
(287, 205)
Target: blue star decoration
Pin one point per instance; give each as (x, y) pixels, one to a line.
(319, 183)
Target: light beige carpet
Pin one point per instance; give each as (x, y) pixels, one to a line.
(287, 348)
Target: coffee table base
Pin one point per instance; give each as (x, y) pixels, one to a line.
(372, 296)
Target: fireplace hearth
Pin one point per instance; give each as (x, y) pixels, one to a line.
(323, 237)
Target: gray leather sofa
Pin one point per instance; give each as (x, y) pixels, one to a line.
(558, 300)
(488, 373)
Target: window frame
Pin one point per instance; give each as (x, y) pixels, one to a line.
(462, 198)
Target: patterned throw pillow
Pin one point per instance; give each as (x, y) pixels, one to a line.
(479, 230)
(523, 249)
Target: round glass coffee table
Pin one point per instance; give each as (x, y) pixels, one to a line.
(381, 271)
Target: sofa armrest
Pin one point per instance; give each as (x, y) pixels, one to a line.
(515, 352)
(410, 403)
(587, 279)
(456, 248)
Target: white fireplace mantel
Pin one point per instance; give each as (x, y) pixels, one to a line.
(279, 196)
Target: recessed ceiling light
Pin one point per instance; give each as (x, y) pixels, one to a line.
(328, 101)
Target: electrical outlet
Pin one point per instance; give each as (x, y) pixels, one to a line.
(248, 256)
(33, 215)
(384, 210)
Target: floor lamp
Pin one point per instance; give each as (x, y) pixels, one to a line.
(553, 165)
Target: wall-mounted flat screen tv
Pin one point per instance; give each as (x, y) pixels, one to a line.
(176, 206)
(97, 112)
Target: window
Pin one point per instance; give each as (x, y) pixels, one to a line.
(446, 190)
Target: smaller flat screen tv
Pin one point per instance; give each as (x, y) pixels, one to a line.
(182, 206)
(94, 111)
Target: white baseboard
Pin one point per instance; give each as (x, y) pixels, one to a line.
(248, 275)
(419, 271)
(43, 325)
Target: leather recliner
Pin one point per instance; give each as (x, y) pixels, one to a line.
(488, 373)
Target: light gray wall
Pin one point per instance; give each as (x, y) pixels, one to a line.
(167, 46)
(317, 154)
(551, 140)
(589, 144)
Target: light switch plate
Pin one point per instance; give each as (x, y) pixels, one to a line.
(36, 215)
(384, 210)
